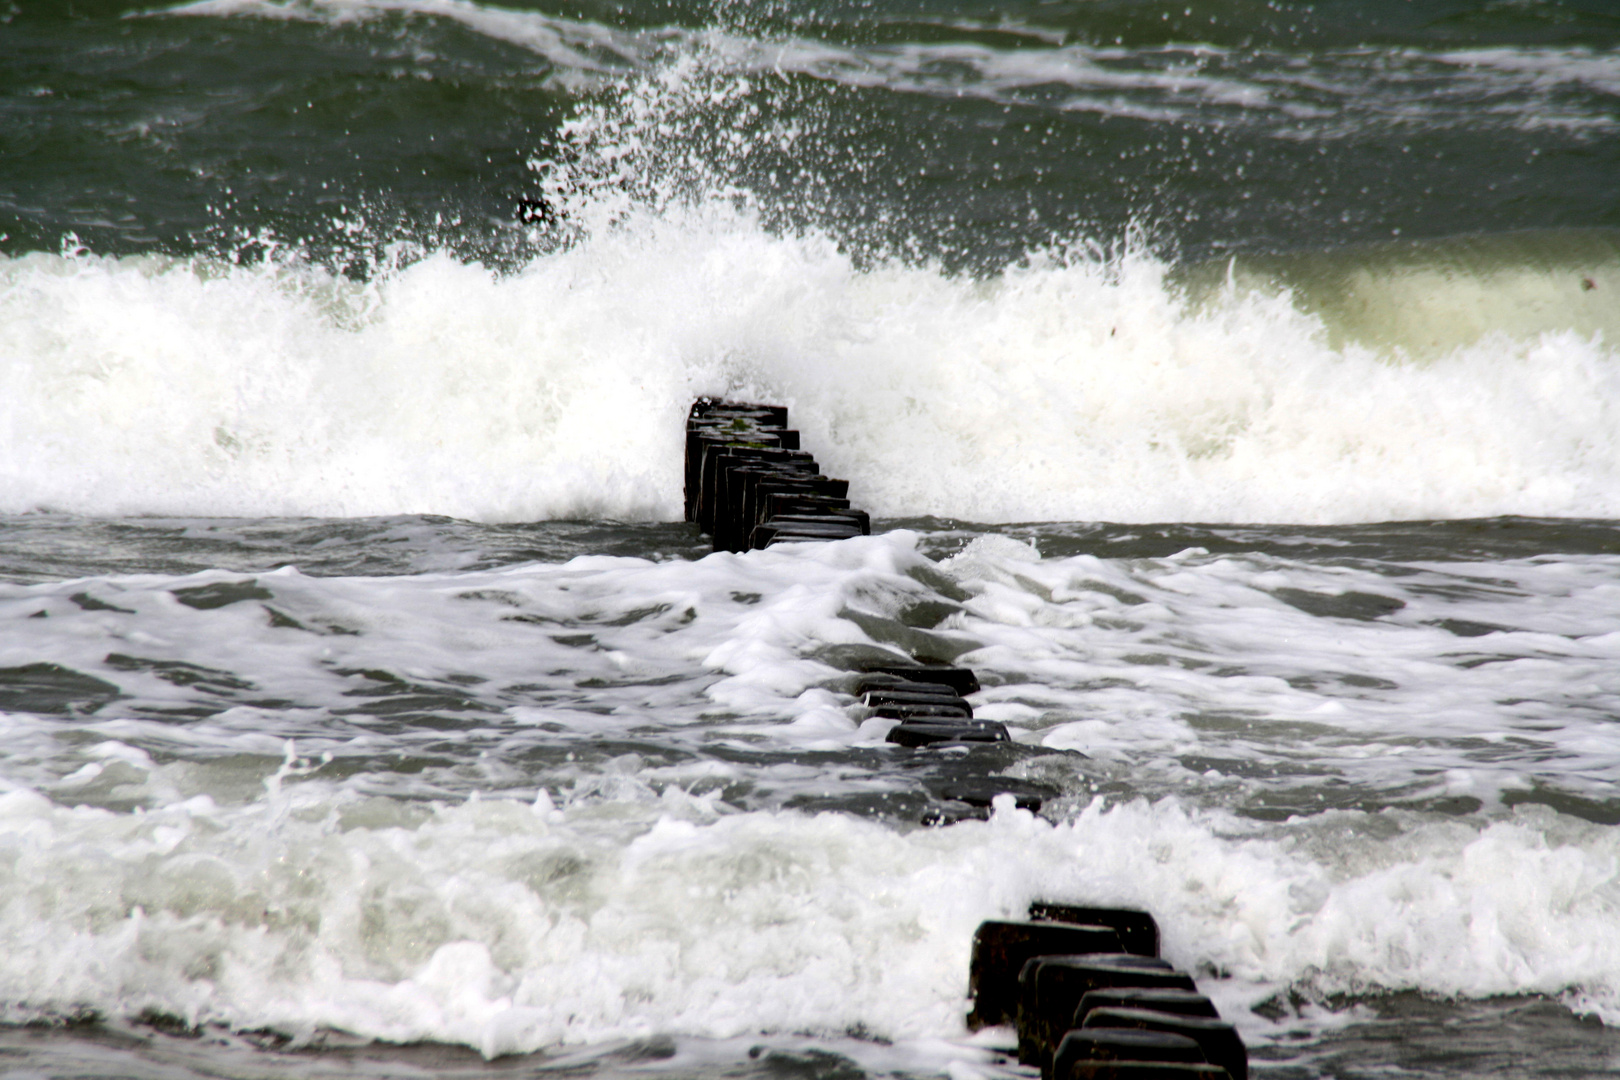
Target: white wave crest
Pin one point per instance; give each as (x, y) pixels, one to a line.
(1078, 388)
(511, 927)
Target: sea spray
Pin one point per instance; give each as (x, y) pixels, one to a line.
(1080, 387)
(511, 927)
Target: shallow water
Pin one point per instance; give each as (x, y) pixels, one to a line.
(1334, 761)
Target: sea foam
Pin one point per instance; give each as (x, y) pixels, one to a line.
(170, 852)
(512, 927)
(1080, 386)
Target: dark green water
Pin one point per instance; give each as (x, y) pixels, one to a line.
(968, 132)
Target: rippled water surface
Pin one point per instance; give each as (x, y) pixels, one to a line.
(1330, 759)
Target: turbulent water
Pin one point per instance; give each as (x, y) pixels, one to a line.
(1233, 385)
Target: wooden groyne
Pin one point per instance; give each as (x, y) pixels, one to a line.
(749, 485)
(1090, 998)
(1084, 987)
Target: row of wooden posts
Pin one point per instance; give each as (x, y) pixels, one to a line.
(749, 485)
(1091, 999)
(1084, 987)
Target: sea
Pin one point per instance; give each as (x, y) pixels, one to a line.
(1234, 386)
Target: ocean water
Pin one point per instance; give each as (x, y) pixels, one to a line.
(1233, 384)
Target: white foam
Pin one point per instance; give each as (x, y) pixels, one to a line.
(510, 927)
(1080, 388)
(250, 890)
(1192, 674)
(1451, 680)
(1547, 68)
(576, 45)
